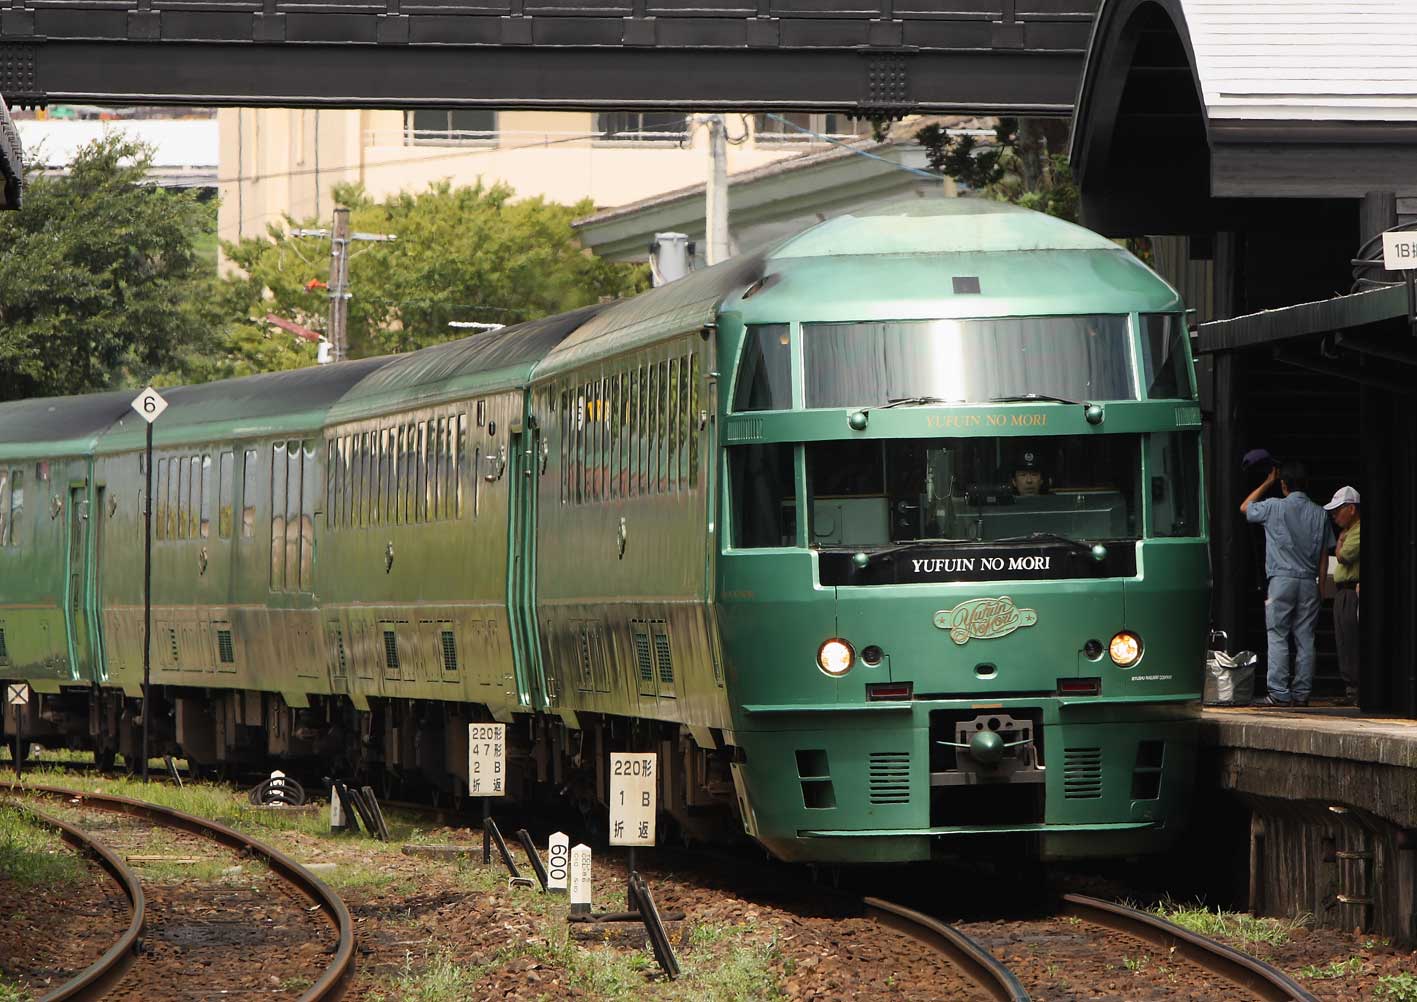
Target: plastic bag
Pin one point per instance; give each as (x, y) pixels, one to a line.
(1229, 678)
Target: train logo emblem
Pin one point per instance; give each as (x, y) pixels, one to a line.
(984, 619)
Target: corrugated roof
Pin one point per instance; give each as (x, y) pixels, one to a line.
(1312, 60)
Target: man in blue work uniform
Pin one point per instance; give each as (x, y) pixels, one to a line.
(1296, 533)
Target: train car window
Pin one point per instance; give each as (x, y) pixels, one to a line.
(595, 407)
(671, 410)
(685, 422)
(361, 489)
(400, 474)
(294, 487)
(666, 424)
(565, 427)
(578, 460)
(160, 500)
(612, 437)
(410, 445)
(476, 481)
(249, 472)
(278, 472)
(865, 364)
(331, 482)
(1165, 346)
(194, 490)
(183, 505)
(652, 425)
(420, 461)
(762, 496)
(765, 369)
(440, 470)
(694, 421)
(208, 498)
(224, 484)
(1174, 463)
(632, 433)
(309, 500)
(4, 507)
(622, 467)
(17, 506)
(460, 459)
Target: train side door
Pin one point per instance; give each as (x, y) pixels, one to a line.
(525, 447)
(76, 605)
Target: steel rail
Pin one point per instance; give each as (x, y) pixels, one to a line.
(335, 978)
(1269, 983)
(973, 960)
(93, 981)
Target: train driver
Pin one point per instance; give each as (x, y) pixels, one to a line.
(1027, 479)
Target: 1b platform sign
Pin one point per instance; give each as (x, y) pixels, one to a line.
(634, 790)
(486, 760)
(1400, 250)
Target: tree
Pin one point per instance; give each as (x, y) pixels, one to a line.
(100, 281)
(468, 253)
(1024, 165)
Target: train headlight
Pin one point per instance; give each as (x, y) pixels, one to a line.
(1125, 649)
(835, 657)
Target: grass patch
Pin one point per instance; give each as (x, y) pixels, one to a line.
(1335, 969)
(439, 978)
(1396, 988)
(32, 853)
(1238, 926)
(744, 975)
(10, 992)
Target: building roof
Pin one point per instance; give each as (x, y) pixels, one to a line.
(766, 204)
(186, 152)
(1259, 101)
(12, 176)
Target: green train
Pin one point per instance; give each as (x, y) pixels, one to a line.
(889, 540)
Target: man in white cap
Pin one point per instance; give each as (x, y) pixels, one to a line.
(1344, 509)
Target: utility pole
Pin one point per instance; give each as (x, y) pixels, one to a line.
(339, 284)
(716, 191)
(340, 238)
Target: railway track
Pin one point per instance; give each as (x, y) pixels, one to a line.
(973, 954)
(185, 932)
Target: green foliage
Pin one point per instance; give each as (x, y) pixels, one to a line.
(32, 854)
(1333, 969)
(462, 253)
(1396, 988)
(1246, 929)
(101, 282)
(1024, 164)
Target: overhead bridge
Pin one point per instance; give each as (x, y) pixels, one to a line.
(874, 57)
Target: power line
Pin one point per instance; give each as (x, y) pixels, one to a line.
(917, 171)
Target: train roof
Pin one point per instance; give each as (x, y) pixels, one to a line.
(687, 304)
(492, 360)
(940, 225)
(938, 258)
(59, 426)
(293, 402)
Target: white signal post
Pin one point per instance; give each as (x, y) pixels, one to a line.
(17, 694)
(149, 404)
(558, 863)
(634, 789)
(580, 880)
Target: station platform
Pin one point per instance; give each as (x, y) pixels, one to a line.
(1332, 801)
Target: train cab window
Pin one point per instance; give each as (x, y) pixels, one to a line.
(1174, 463)
(1165, 346)
(250, 470)
(874, 364)
(762, 496)
(224, 511)
(973, 489)
(765, 369)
